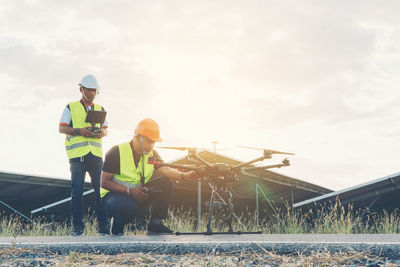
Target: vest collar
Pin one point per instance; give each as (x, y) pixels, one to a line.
(136, 156)
(90, 105)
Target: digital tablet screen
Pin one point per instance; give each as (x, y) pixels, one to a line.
(96, 116)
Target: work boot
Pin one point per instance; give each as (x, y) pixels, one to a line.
(77, 232)
(157, 229)
(116, 228)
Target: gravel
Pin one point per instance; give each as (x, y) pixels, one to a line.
(40, 257)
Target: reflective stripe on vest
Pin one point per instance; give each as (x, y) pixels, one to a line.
(78, 146)
(86, 143)
(126, 184)
(130, 175)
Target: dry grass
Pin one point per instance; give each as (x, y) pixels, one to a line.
(20, 257)
(333, 220)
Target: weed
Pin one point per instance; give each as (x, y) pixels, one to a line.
(333, 219)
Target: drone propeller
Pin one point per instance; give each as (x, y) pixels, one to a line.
(271, 151)
(183, 148)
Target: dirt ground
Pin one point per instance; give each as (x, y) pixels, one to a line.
(25, 257)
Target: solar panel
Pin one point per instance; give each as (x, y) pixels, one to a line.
(25, 192)
(376, 195)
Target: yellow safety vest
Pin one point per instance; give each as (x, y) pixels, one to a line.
(76, 145)
(130, 175)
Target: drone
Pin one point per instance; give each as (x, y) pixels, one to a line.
(221, 176)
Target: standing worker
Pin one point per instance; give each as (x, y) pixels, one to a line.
(129, 184)
(84, 152)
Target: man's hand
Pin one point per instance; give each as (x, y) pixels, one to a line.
(85, 132)
(138, 193)
(178, 175)
(101, 134)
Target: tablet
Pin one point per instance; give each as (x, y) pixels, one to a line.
(96, 116)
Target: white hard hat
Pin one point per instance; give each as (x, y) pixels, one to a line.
(89, 81)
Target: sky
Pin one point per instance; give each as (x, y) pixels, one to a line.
(315, 78)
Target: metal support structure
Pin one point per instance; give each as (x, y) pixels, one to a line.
(373, 202)
(292, 194)
(362, 215)
(257, 211)
(59, 202)
(198, 204)
(16, 211)
(259, 190)
(210, 211)
(266, 199)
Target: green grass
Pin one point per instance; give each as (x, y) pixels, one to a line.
(333, 220)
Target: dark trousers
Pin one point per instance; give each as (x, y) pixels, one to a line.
(93, 166)
(125, 208)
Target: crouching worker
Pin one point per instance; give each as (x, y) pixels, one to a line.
(129, 184)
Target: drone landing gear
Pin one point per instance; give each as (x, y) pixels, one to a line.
(228, 215)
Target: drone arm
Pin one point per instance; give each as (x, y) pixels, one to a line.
(284, 163)
(190, 160)
(196, 156)
(238, 166)
(264, 167)
(175, 166)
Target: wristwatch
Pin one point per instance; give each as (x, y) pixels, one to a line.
(76, 131)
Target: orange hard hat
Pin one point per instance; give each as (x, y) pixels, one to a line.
(149, 128)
